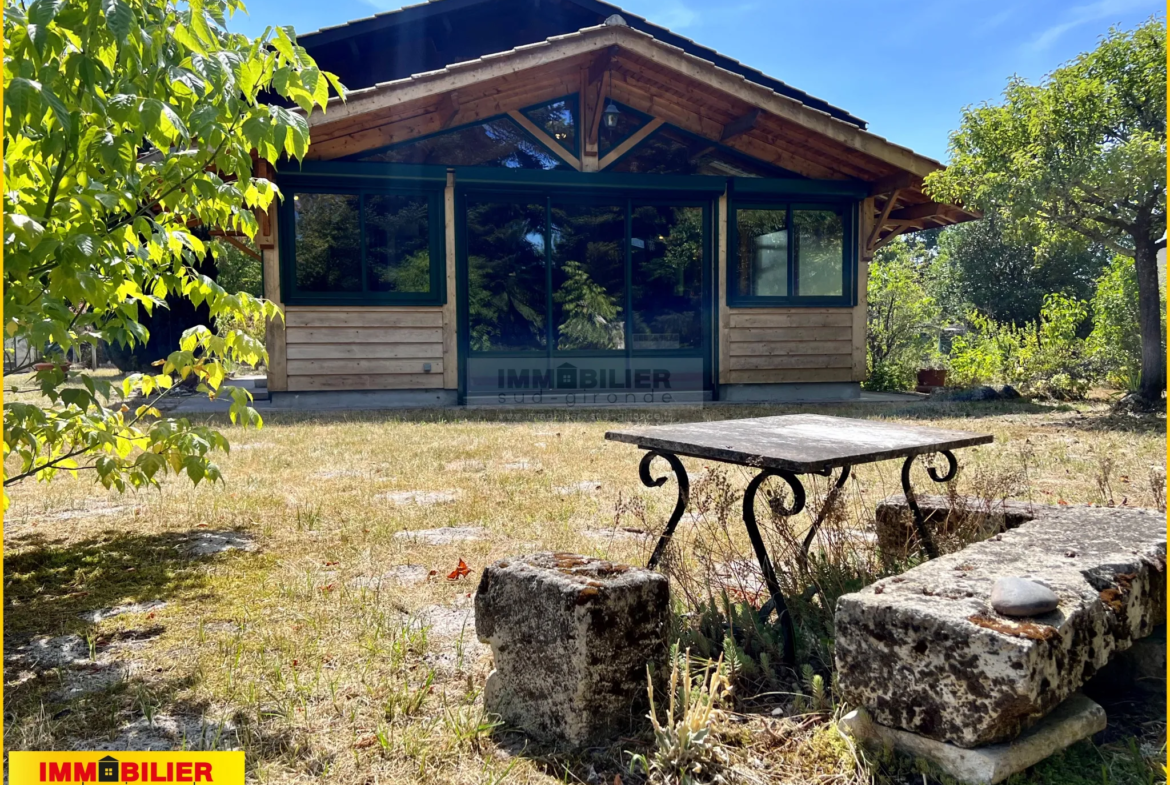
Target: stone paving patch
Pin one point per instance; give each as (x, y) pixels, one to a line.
(421, 498)
(93, 617)
(168, 732)
(587, 487)
(444, 536)
(618, 534)
(211, 543)
(466, 465)
(402, 575)
(43, 652)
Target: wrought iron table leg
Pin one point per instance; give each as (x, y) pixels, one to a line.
(830, 500)
(769, 572)
(680, 506)
(924, 536)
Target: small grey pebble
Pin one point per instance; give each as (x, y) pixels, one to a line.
(1022, 597)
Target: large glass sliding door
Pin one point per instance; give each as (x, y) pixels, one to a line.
(585, 299)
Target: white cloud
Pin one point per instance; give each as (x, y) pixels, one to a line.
(1083, 14)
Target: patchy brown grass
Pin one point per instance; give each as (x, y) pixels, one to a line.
(320, 671)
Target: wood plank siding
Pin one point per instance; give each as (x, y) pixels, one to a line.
(778, 345)
(365, 348)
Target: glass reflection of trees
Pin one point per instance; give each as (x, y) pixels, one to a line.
(509, 301)
(498, 142)
(819, 237)
(559, 120)
(398, 241)
(328, 243)
(328, 250)
(670, 150)
(761, 265)
(507, 287)
(589, 281)
(666, 246)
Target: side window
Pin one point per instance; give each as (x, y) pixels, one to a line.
(364, 247)
(784, 254)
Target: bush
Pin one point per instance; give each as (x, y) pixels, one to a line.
(901, 331)
(1040, 358)
(1115, 344)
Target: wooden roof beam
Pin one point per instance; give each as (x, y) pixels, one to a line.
(871, 242)
(897, 181)
(918, 211)
(740, 125)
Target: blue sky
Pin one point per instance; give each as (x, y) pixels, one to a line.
(909, 69)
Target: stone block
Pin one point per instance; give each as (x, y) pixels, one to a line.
(571, 637)
(897, 538)
(926, 653)
(1076, 719)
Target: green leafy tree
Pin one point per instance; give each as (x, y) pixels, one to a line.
(1082, 152)
(126, 122)
(902, 316)
(1115, 342)
(1005, 276)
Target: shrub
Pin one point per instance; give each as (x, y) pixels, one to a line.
(901, 331)
(1115, 344)
(1041, 358)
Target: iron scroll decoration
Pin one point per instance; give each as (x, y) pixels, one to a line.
(924, 537)
(680, 506)
(799, 499)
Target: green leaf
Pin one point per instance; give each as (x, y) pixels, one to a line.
(60, 111)
(41, 12)
(119, 18)
(22, 97)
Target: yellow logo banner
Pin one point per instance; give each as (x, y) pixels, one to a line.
(35, 768)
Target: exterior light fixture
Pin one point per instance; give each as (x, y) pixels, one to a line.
(611, 115)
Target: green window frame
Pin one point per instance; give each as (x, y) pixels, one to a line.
(436, 244)
(794, 299)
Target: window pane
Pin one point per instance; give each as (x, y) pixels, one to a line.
(762, 259)
(328, 243)
(666, 249)
(558, 119)
(498, 142)
(507, 287)
(589, 281)
(628, 121)
(672, 151)
(820, 249)
(397, 243)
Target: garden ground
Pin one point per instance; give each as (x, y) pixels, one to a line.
(288, 611)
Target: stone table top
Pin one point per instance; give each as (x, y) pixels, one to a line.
(800, 443)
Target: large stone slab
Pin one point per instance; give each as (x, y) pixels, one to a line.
(896, 534)
(571, 637)
(925, 652)
(1076, 719)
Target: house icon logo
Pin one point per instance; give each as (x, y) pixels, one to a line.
(566, 376)
(108, 769)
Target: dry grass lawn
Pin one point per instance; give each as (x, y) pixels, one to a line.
(299, 622)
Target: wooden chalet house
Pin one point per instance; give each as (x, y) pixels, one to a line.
(558, 202)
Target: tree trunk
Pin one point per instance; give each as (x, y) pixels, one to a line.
(1153, 380)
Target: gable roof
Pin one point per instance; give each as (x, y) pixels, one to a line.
(363, 41)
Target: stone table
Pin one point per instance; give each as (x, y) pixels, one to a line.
(788, 446)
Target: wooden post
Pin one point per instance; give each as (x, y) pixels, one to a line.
(724, 320)
(450, 314)
(274, 338)
(861, 309)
